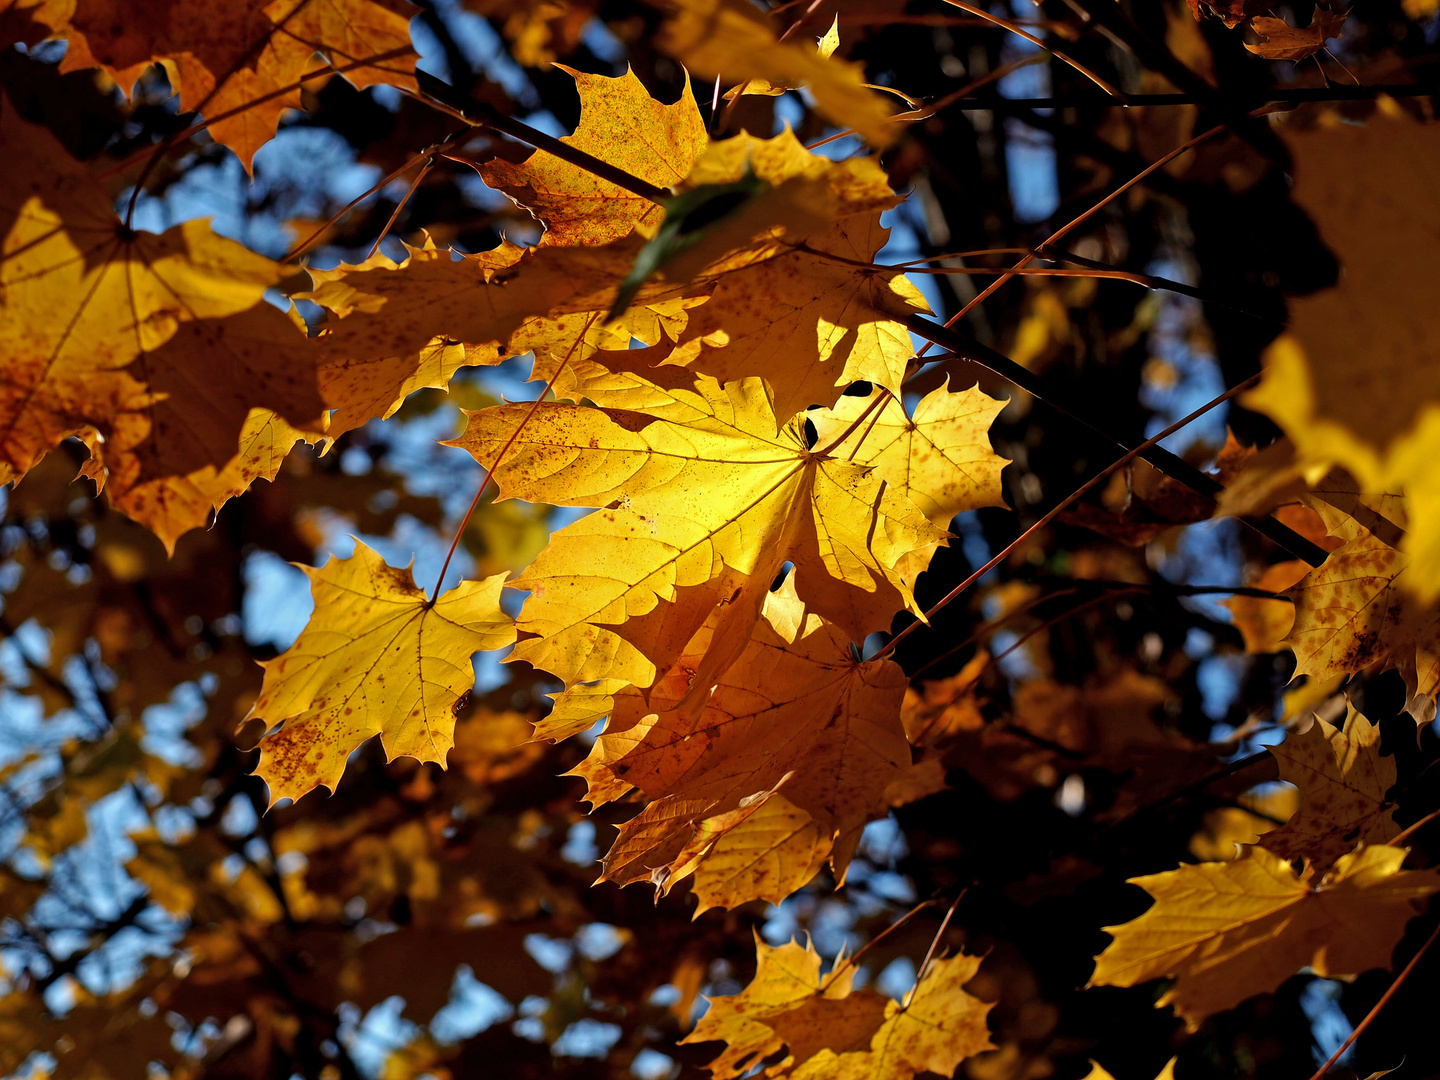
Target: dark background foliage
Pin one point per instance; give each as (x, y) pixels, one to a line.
(131, 828)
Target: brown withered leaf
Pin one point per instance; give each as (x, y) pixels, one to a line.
(796, 717)
(1281, 41)
(1231, 12)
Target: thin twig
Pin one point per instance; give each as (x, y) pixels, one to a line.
(934, 944)
(440, 94)
(1172, 465)
(1059, 509)
(200, 125)
(981, 13)
(1279, 96)
(490, 472)
(1075, 223)
(851, 961)
(1384, 1000)
(1395, 841)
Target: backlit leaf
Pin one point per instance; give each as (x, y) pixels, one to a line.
(1343, 781)
(1225, 931)
(710, 499)
(377, 658)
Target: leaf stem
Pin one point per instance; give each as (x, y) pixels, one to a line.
(981, 13)
(874, 403)
(1384, 1000)
(851, 961)
(490, 472)
(1412, 828)
(429, 152)
(429, 164)
(1060, 508)
(934, 944)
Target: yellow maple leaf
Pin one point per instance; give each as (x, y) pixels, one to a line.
(243, 57)
(622, 125)
(1356, 380)
(1226, 931)
(939, 456)
(376, 658)
(785, 976)
(100, 326)
(734, 39)
(796, 714)
(710, 502)
(825, 47)
(769, 853)
(1354, 611)
(829, 1030)
(1342, 780)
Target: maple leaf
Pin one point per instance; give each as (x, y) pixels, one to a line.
(242, 58)
(101, 324)
(1342, 780)
(710, 500)
(622, 125)
(939, 456)
(734, 39)
(399, 327)
(1226, 931)
(795, 714)
(376, 658)
(803, 306)
(1353, 610)
(830, 1030)
(1356, 379)
(785, 976)
(1281, 41)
